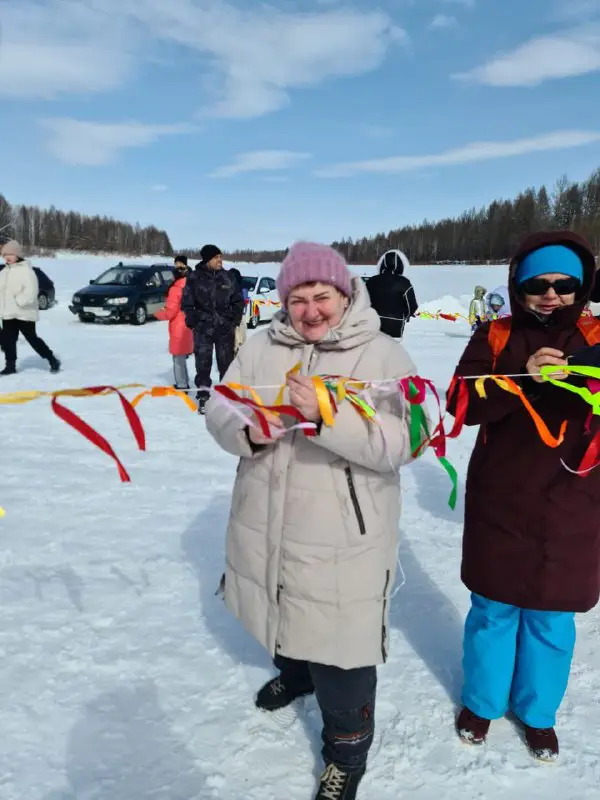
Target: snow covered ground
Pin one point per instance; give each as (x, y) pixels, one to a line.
(124, 677)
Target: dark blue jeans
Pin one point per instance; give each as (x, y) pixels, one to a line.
(346, 698)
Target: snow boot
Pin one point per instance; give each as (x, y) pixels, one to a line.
(10, 368)
(471, 728)
(277, 694)
(542, 743)
(202, 401)
(339, 785)
(54, 365)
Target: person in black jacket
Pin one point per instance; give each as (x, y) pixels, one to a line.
(213, 305)
(392, 294)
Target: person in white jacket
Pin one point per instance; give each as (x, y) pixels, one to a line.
(313, 533)
(19, 309)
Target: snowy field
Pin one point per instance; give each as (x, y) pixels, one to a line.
(124, 677)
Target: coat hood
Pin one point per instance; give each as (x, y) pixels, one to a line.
(359, 324)
(394, 262)
(479, 292)
(501, 291)
(581, 247)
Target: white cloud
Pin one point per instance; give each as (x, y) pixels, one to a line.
(443, 21)
(159, 187)
(577, 9)
(260, 161)
(56, 48)
(543, 58)
(95, 143)
(250, 57)
(466, 3)
(471, 153)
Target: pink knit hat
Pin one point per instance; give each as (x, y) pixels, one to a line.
(307, 262)
(11, 248)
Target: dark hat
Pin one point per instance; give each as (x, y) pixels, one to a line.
(180, 259)
(208, 252)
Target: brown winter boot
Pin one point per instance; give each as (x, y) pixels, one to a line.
(542, 743)
(471, 728)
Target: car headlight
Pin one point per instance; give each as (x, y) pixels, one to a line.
(117, 301)
(76, 298)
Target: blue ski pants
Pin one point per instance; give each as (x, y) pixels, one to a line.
(518, 660)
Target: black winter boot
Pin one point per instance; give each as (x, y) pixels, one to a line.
(202, 401)
(10, 368)
(339, 785)
(277, 694)
(54, 364)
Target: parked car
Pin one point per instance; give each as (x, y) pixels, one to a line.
(125, 293)
(47, 291)
(262, 302)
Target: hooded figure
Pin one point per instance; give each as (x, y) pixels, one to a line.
(392, 294)
(313, 531)
(477, 308)
(531, 542)
(498, 304)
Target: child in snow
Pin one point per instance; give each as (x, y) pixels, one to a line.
(181, 339)
(477, 308)
(535, 562)
(313, 531)
(498, 304)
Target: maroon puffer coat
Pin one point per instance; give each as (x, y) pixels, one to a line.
(532, 529)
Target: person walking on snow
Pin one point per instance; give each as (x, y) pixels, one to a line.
(19, 308)
(533, 564)
(181, 340)
(477, 308)
(213, 306)
(392, 294)
(312, 539)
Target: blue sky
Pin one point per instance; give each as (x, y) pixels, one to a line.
(251, 124)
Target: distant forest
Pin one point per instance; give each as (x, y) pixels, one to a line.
(45, 230)
(487, 235)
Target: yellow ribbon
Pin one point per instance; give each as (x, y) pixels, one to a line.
(164, 391)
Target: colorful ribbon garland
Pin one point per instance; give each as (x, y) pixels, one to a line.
(331, 391)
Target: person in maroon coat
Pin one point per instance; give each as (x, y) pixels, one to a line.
(531, 546)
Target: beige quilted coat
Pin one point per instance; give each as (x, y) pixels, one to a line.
(313, 532)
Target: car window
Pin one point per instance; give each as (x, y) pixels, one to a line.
(119, 276)
(263, 286)
(272, 284)
(154, 281)
(168, 277)
(248, 283)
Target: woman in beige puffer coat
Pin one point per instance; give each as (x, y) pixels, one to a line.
(313, 533)
(19, 308)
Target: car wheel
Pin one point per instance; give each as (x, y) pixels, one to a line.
(43, 301)
(83, 319)
(140, 315)
(254, 319)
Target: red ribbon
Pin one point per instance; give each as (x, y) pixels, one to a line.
(82, 427)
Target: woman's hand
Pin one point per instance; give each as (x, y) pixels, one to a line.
(303, 396)
(276, 427)
(546, 357)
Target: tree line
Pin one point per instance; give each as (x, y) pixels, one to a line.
(477, 236)
(46, 230)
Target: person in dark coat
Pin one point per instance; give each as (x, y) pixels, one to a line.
(213, 305)
(392, 294)
(531, 546)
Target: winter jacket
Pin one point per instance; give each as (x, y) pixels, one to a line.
(313, 532)
(181, 339)
(212, 301)
(392, 294)
(19, 290)
(502, 292)
(477, 307)
(532, 528)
